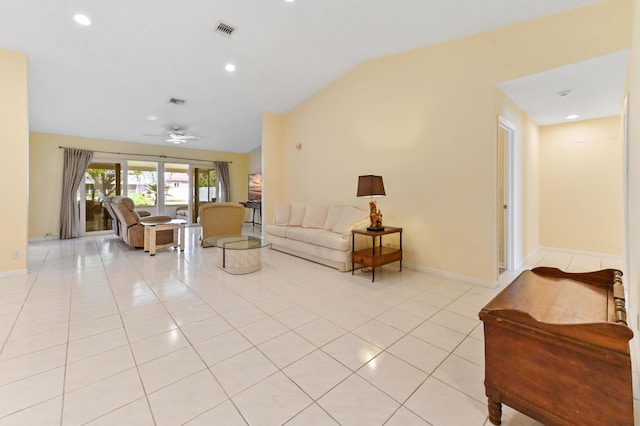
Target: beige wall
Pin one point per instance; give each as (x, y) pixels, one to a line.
(274, 155)
(581, 186)
(46, 161)
(632, 271)
(426, 121)
(14, 161)
(530, 187)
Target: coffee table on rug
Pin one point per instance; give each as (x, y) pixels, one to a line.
(151, 229)
(238, 254)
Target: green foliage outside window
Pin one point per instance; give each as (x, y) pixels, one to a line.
(141, 200)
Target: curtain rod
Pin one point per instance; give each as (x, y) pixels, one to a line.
(153, 155)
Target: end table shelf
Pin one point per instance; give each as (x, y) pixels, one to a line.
(376, 255)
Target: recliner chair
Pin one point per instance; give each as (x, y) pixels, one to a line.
(128, 226)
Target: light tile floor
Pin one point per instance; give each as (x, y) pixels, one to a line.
(100, 334)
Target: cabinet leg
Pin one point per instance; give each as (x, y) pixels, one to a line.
(495, 412)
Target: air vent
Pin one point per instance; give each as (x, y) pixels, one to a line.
(176, 101)
(225, 29)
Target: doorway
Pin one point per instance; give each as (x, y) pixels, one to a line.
(102, 179)
(505, 195)
(205, 189)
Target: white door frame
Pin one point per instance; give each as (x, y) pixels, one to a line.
(509, 191)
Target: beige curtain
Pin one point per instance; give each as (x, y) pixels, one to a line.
(222, 170)
(75, 166)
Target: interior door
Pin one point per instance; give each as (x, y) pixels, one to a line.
(502, 202)
(506, 208)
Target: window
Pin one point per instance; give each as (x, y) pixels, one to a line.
(176, 183)
(142, 182)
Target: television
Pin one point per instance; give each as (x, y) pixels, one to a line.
(255, 187)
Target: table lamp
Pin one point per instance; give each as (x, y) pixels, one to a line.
(372, 186)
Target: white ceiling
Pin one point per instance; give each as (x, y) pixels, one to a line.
(103, 81)
(589, 89)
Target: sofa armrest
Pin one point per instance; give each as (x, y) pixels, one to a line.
(156, 219)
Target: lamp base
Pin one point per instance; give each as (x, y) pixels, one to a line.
(370, 229)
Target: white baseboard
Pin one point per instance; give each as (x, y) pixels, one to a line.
(579, 252)
(14, 273)
(457, 277)
(43, 238)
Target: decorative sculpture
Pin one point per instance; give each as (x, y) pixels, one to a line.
(375, 216)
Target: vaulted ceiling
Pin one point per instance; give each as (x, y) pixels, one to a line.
(114, 78)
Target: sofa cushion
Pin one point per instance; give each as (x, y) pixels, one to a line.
(277, 230)
(283, 211)
(349, 217)
(329, 240)
(332, 217)
(297, 214)
(299, 234)
(315, 216)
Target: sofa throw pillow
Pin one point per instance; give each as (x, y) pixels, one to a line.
(315, 216)
(283, 211)
(332, 216)
(297, 214)
(348, 218)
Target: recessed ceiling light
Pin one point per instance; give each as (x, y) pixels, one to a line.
(82, 19)
(289, 1)
(572, 116)
(152, 118)
(230, 67)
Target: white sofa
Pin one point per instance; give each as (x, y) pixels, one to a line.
(319, 233)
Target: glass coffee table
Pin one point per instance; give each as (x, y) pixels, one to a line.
(238, 254)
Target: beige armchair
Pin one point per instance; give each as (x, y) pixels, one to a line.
(220, 219)
(128, 226)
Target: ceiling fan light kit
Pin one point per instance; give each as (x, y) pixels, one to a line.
(176, 135)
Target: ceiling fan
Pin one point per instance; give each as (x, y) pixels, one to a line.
(177, 135)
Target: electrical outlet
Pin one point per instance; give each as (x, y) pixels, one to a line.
(15, 254)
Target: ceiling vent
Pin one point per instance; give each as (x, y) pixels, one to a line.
(225, 29)
(177, 101)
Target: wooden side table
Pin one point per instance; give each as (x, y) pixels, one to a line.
(151, 228)
(376, 255)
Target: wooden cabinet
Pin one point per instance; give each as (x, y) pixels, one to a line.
(557, 348)
(377, 255)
